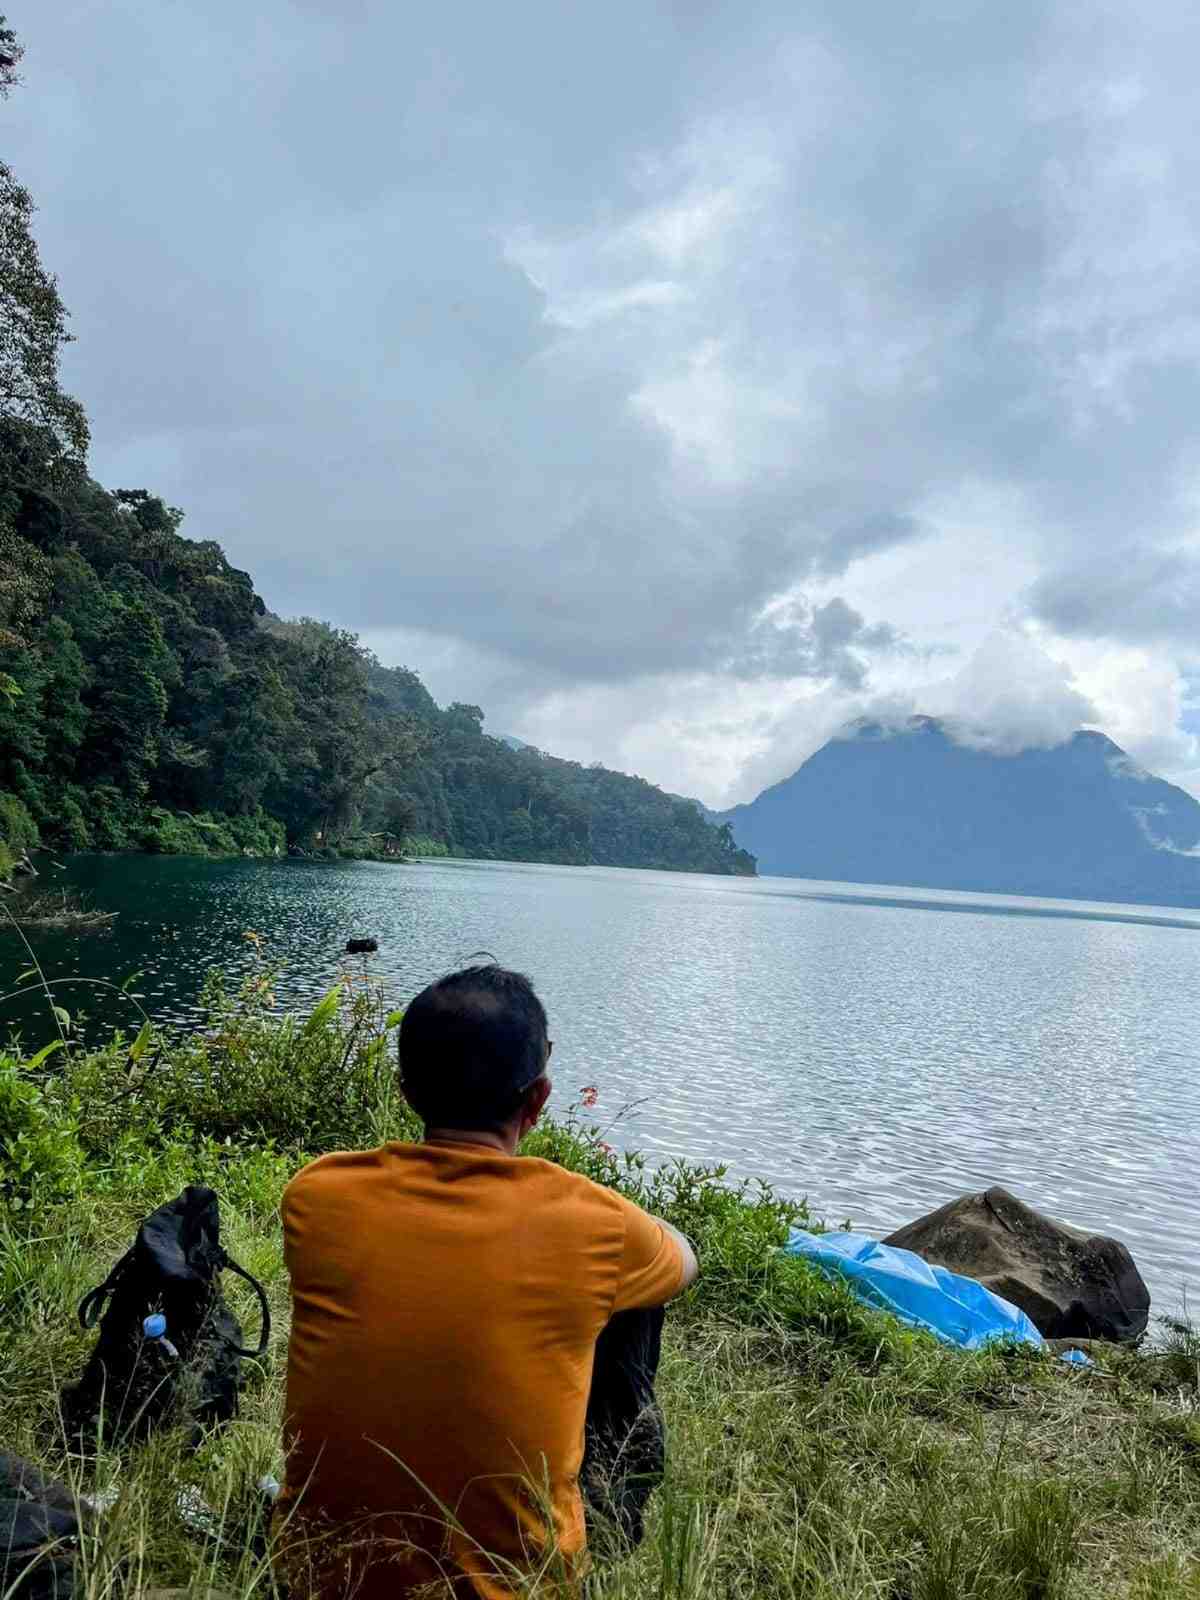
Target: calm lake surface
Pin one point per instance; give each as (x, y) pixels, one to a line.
(879, 1051)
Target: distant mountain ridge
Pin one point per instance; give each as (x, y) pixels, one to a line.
(910, 805)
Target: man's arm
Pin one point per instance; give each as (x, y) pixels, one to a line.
(691, 1267)
(657, 1261)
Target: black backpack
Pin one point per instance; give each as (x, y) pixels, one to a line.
(169, 1349)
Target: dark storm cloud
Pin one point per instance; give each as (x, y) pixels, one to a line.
(795, 640)
(1137, 593)
(590, 334)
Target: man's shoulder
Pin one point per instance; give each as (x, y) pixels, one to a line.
(331, 1170)
(560, 1183)
(350, 1172)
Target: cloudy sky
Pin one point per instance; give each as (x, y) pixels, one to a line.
(673, 380)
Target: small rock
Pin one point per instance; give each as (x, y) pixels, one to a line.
(1071, 1284)
(361, 947)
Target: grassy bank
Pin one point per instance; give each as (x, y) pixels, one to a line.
(815, 1449)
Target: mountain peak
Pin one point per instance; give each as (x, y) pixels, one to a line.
(867, 727)
(919, 802)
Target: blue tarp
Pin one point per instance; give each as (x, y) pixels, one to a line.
(955, 1309)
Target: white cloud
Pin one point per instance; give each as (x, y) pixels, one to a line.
(1009, 696)
(588, 307)
(592, 366)
(1140, 698)
(684, 229)
(716, 420)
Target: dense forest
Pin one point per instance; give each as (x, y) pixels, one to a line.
(481, 797)
(149, 701)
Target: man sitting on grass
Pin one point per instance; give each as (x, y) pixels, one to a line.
(447, 1297)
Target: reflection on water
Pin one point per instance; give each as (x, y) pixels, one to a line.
(862, 1047)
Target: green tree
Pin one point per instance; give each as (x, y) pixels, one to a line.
(252, 741)
(23, 731)
(11, 51)
(130, 700)
(33, 319)
(63, 709)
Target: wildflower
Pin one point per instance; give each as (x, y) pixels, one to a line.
(589, 1095)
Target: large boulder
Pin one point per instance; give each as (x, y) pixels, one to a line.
(1070, 1283)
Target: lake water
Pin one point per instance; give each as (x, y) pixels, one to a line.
(879, 1051)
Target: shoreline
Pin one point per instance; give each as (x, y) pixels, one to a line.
(895, 897)
(335, 856)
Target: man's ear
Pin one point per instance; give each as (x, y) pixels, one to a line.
(535, 1103)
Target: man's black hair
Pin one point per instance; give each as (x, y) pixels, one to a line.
(471, 1044)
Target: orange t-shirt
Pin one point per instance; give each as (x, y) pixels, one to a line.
(446, 1301)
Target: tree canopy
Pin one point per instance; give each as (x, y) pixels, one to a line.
(481, 797)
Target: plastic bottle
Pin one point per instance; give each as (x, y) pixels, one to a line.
(154, 1329)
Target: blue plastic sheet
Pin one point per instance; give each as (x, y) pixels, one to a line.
(956, 1310)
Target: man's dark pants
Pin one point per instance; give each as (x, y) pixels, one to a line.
(625, 1449)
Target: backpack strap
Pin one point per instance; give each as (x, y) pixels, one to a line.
(92, 1303)
(265, 1336)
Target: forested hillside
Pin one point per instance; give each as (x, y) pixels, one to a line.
(149, 701)
(484, 798)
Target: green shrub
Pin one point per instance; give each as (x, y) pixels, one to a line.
(18, 830)
(71, 828)
(163, 832)
(41, 1159)
(252, 1077)
(25, 788)
(258, 833)
(421, 844)
(211, 833)
(111, 817)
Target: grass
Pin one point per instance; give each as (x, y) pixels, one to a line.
(816, 1449)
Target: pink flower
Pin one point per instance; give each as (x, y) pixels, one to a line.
(607, 1148)
(589, 1095)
